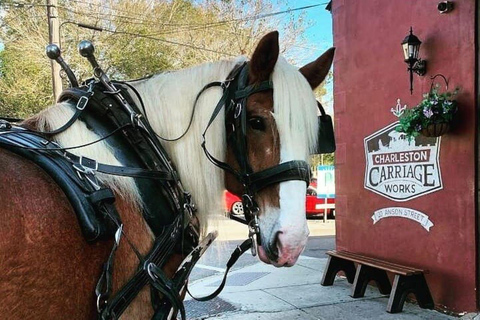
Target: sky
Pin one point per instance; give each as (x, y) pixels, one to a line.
(319, 38)
(319, 35)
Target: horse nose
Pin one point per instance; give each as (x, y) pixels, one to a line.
(277, 255)
(286, 254)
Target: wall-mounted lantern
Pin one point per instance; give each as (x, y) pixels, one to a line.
(411, 47)
(445, 6)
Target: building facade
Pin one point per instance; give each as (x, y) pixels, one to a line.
(411, 202)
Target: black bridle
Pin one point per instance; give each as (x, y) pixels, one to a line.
(236, 91)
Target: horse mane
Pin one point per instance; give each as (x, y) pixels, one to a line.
(294, 108)
(169, 100)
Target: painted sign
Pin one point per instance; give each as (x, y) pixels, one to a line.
(401, 212)
(399, 169)
(325, 181)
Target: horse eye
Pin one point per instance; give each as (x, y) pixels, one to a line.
(257, 123)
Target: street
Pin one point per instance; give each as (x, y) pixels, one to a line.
(321, 239)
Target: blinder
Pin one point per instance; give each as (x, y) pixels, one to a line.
(326, 137)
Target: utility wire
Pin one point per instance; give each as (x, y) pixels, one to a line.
(9, 19)
(82, 25)
(148, 21)
(198, 25)
(153, 36)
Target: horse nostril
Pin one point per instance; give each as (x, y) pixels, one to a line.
(274, 247)
(276, 239)
(277, 244)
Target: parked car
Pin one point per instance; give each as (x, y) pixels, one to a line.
(233, 204)
(314, 206)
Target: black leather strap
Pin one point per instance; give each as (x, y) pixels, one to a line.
(162, 249)
(286, 171)
(241, 249)
(82, 98)
(119, 170)
(253, 88)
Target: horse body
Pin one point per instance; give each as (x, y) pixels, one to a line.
(49, 271)
(43, 256)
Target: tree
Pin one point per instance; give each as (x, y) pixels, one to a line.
(139, 37)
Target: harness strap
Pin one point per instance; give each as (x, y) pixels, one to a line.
(253, 88)
(179, 280)
(82, 96)
(104, 284)
(168, 289)
(162, 248)
(91, 164)
(215, 161)
(84, 164)
(241, 249)
(291, 170)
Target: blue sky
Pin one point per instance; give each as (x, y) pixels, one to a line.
(319, 38)
(319, 35)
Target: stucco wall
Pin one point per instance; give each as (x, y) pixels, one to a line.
(369, 77)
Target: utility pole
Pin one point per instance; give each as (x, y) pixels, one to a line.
(54, 37)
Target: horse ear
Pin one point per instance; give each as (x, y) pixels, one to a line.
(264, 58)
(316, 71)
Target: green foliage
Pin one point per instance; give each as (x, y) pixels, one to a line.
(322, 159)
(434, 108)
(25, 84)
(139, 38)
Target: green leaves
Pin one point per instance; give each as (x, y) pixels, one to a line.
(434, 108)
(140, 38)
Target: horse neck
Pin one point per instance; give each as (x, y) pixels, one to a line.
(169, 101)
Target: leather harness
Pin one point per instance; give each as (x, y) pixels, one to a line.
(152, 169)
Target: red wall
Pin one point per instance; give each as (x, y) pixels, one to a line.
(369, 76)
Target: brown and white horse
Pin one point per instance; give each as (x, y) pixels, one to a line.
(48, 271)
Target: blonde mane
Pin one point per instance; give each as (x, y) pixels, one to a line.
(169, 100)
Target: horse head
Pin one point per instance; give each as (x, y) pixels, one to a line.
(281, 126)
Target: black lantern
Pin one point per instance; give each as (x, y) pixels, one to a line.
(411, 47)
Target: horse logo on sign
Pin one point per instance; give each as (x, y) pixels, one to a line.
(399, 169)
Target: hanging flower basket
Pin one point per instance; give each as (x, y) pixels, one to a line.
(431, 117)
(435, 129)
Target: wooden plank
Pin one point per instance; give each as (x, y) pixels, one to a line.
(388, 266)
(354, 256)
(371, 259)
(373, 262)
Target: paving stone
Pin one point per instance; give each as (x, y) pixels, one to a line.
(257, 301)
(287, 315)
(316, 295)
(373, 309)
(196, 309)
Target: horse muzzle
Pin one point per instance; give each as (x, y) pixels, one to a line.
(282, 250)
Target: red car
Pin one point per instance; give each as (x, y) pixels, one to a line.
(233, 204)
(314, 206)
(317, 206)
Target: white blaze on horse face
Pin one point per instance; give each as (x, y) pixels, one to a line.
(284, 230)
(285, 227)
(292, 223)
